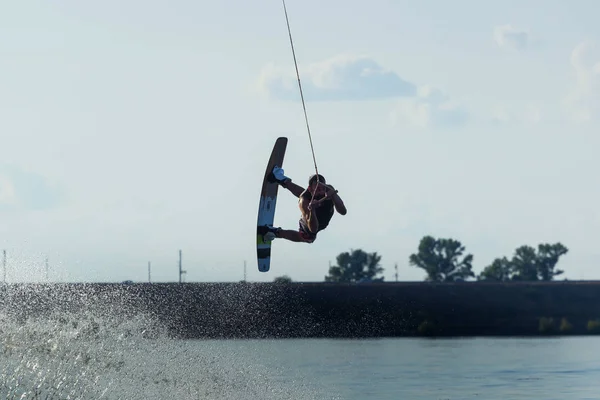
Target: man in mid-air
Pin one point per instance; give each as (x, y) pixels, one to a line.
(317, 204)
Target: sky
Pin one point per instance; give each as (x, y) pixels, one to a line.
(131, 130)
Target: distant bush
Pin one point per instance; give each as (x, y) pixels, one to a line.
(593, 326)
(426, 328)
(546, 325)
(282, 279)
(565, 326)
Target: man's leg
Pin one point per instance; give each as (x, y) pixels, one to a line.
(305, 232)
(270, 233)
(284, 181)
(291, 235)
(295, 189)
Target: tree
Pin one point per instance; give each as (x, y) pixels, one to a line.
(526, 264)
(499, 270)
(282, 279)
(355, 266)
(440, 258)
(548, 255)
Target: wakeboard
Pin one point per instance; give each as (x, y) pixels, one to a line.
(266, 207)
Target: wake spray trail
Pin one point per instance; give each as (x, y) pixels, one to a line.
(96, 351)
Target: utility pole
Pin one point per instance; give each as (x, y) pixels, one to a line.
(396, 267)
(4, 265)
(244, 270)
(149, 271)
(181, 272)
(47, 269)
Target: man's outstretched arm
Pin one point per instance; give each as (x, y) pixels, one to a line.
(338, 203)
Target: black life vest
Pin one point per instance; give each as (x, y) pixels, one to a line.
(324, 211)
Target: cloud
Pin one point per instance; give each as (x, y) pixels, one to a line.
(512, 38)
(431, 108)
(341, 78)
(531, 114)
(583, 100)
(500, 115)
(356, 78)
(25, 190)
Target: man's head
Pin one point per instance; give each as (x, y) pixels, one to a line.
(312, 184)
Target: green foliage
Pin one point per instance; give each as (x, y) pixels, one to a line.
(546, 325)
(593, 326)
(565, 326)
(282, 279)
(547, 257)
(499, 270)
(440, 258)
(354, 266)
(526, 264)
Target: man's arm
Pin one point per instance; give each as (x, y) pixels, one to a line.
(337, 200)
(309, 217)
(339, 204)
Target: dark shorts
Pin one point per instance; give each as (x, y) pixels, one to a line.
(305, 232)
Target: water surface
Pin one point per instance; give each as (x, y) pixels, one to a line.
(94, 356)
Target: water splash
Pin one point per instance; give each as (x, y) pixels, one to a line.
(98, 352)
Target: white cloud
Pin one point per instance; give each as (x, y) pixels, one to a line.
(507, 36)
(531, 114)
(343, 77)
(500, 115)
(583, 100)
(7, 191)
(22, 189)
(431, 108)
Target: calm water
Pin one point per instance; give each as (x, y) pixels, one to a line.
(95, 357)
(547, 369)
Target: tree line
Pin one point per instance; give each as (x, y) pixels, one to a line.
(444, 260)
